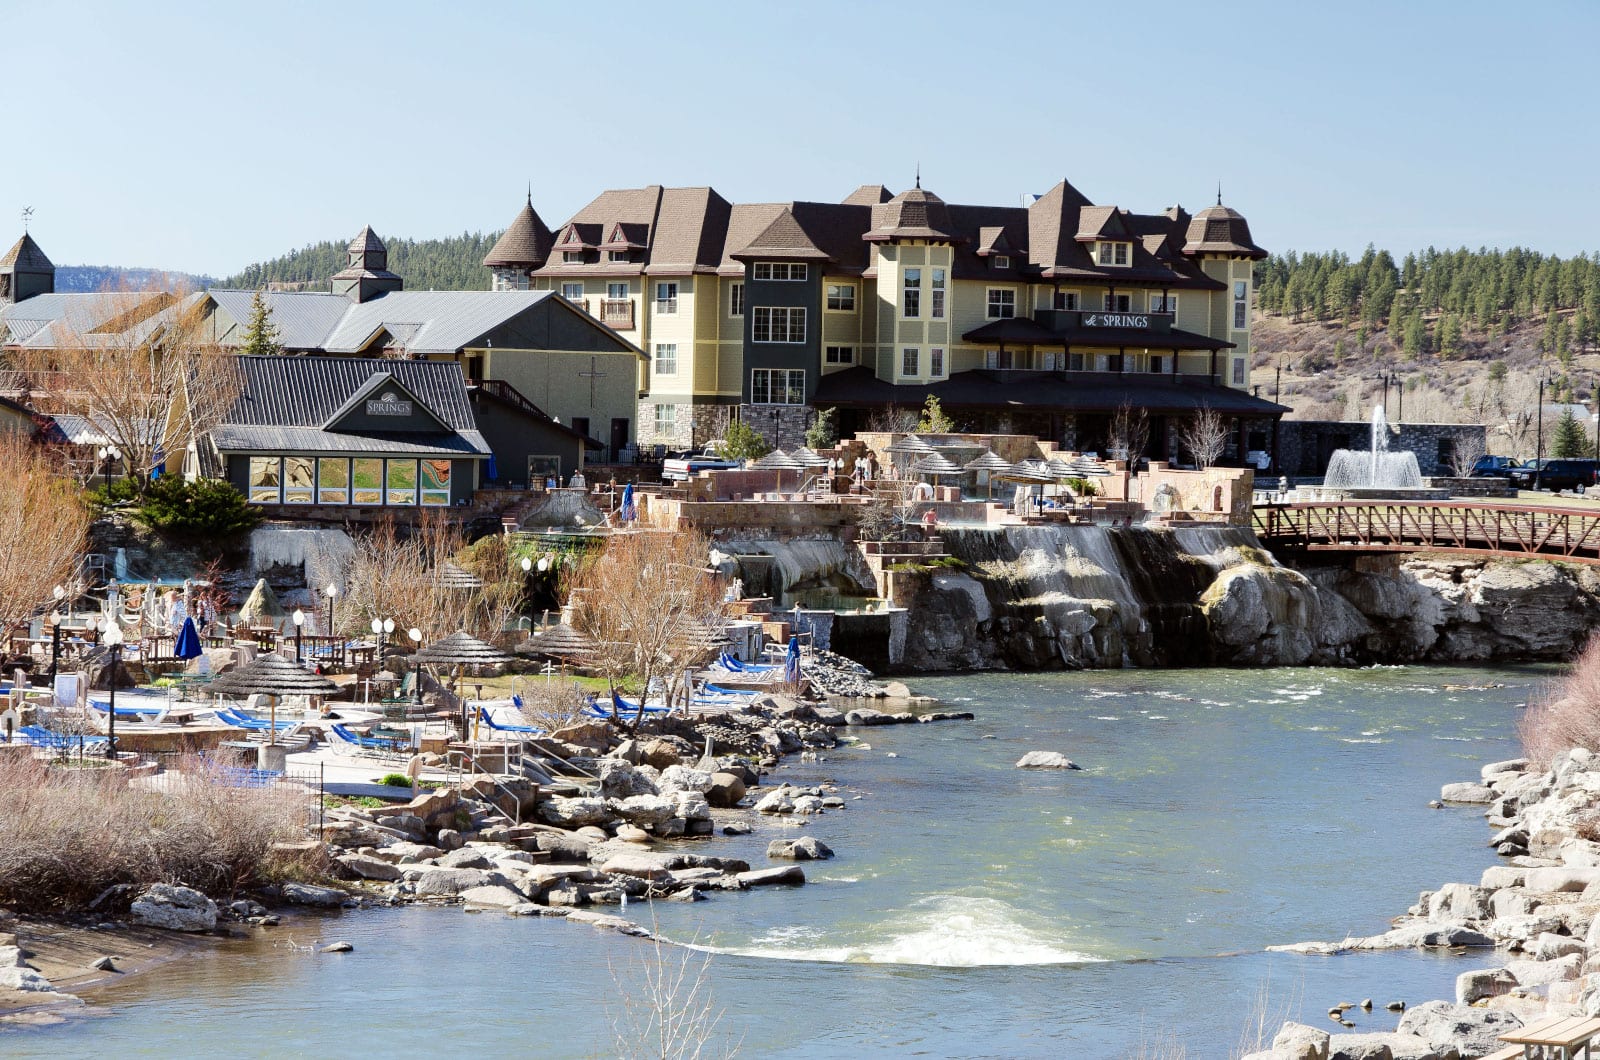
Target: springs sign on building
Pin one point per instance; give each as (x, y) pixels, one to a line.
(388, 404)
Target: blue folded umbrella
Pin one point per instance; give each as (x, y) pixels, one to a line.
(188, 646)
(791, 662)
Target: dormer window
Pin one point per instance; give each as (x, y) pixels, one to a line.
(1002, 261)
(1113, 253)
(572, 257)
(616, 255)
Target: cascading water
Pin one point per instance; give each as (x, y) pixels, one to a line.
(1377, 468)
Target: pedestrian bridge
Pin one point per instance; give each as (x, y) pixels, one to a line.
(1481, 527)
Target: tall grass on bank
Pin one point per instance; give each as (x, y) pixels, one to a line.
(666, 1010)
(66, 834)
(1568, 714)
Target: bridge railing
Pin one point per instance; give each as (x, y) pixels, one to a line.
(1431, 526)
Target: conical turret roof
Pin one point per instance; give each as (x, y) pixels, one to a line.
(525, 243)
(1221, 230)
(914, 214)
(367, 241)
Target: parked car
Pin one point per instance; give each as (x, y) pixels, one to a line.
(1493, 466)
(681, 469)
(1555, 474)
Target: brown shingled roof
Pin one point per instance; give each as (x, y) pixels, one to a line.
(1096, 223)
(868, 195)
(1220, 230)
(25, 256)
(914, 214)
(783, 238)
(526, 243)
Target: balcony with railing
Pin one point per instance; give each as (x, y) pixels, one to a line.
(581, 303)
(617, 313)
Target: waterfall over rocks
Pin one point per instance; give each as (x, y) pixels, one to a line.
(323, 553)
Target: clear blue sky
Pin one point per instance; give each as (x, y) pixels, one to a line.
(201, 137)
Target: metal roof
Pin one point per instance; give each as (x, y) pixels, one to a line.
(445, 321)
(303, 318)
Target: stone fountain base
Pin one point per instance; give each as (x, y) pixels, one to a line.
(1369, 493)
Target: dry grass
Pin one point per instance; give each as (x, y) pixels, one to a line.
(72, 832)
(551, 706)
(1568, 715)
(666, 1010)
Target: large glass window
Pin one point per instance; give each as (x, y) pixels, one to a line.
(436, 482)
(666, 298)
(666, 419)
(333, 481)
(1002, 303)
(778, 324)
(777, 386)
(936, 310)
(1241, 305)
(1117, 303)
(1112, 253)
(780, 270)
(299, 479)
(366, 481)
(911, 296)
(842, 297)
(910, 361)
(1163, 303)
(1067, 300)
(617, 291)
(266, 479)
(736, 300)
(400, 482)
(572, 292)
(840, 355)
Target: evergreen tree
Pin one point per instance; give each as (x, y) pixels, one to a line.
(1415, 343)
(1570, 439)
(260, 334)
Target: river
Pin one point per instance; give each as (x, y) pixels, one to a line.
(973, 910)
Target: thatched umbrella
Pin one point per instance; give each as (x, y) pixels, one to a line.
(561, 642)
(809, 457)
(908, 449)
(935, 464)
(461, 649)
(272, 675)
(779, 461)
(991, 462)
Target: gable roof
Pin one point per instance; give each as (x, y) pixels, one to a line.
(303, 318)
(379, 383)
(285, 404)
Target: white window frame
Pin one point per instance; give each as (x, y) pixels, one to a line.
(841, 298)
(573, 292)
(936, 306)
(1241, 305)
(780, 271)
(936, 362)
(771, 383)
(915, 353)
(1167, 305)
(613, 296)
(671, 419)
(911, 294)
(1112, 254)
(994, 306)
(665, 361)
(666, 297)
(1002, 261)
(1068, 300)
(618, 255)
(736, 299)
(839, 355)
(1123, 303)
(572, 257)
(788, 321)
(1238, 372)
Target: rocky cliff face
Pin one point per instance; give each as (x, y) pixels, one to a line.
(1089, 597)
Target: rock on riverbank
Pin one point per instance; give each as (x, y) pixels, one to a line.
(1539, 912)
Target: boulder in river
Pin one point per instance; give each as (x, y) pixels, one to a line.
(725, 790)
(785, 876)
(805, 848)
(175, 909)
(1467, 791)
(1046, 760)
(311, 894)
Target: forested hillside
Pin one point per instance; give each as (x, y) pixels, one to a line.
(454, 263)
(72, 278)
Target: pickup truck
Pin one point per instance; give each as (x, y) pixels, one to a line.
(683, 468)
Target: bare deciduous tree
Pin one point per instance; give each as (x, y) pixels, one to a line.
(43, 523)
(140, 366)
(1464, 454)
(1204, 436)
(649, 601)
(1130, 433)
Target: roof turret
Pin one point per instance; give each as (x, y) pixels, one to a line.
(525, 244)
(1220, 230)
(913, 214)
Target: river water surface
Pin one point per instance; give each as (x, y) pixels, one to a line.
(973, 910)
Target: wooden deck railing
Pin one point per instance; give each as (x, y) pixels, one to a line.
(1431, 526)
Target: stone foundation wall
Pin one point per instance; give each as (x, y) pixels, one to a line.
(783, 426)
(681, 436)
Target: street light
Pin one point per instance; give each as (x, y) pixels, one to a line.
(331, 591)
(1538, 458)
(112, 639)
(381, 628)
(108, 454)
(299, 627)
(55, 630)
(416, 640)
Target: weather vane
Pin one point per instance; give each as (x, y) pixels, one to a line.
(27, 214)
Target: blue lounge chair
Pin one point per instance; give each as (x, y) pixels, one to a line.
(244, 721)
(729, 663)
(363, 743)
(38, 736)
(488, 719)
(135, 711)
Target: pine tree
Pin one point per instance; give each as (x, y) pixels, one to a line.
(261, 334)
(1569, 439)
(1416, 336)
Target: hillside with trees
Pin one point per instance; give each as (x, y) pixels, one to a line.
(454, 263)
(1464, 335)
(91, 278)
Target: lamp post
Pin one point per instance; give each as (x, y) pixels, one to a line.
(1538, 442)
(331, 591)
(112, 638)
(1383, 378)
(108, 454)
(416, 643)
(299, 628)
(55, 631)
(381, 628)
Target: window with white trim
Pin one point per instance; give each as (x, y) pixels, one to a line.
(1112, 253)
(617, 292)
(777, 386)
(1118, 303)
(666, 359)
(572, 257)
(736, 299)
(839, 355)
(782, 271)
(1241, 305)
(1074, 362)
(999, 358)
(572, 292)
(842, 297)
(936, 361)
(1238, 371)
(1167, 303)
(910, 361)
(1002, 303)
(666, 298)
(1002, 261)
(1067, 300)
(666, 419)
(911, 293)
(616, 255)
(778, 324)
(937, 308)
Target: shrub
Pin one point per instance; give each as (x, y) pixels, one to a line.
(119, 491)
(1568, 715)
(208, 509)
(395, 780)
(743, 442)
(822, 433)
(933, 420)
